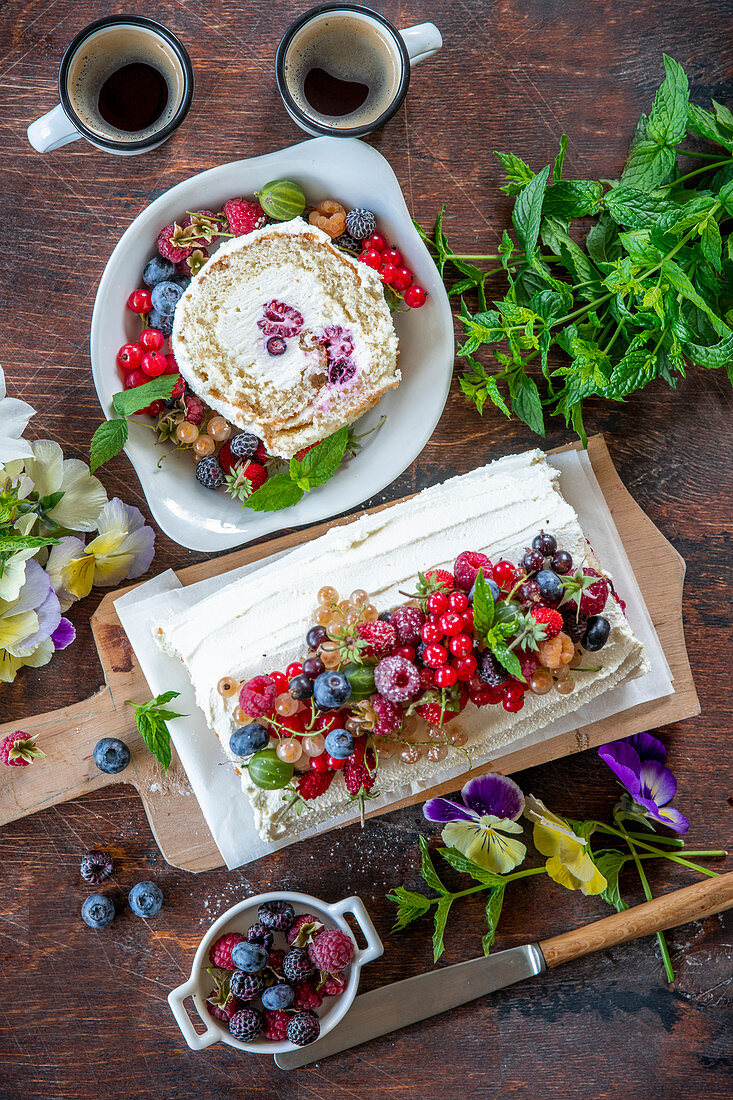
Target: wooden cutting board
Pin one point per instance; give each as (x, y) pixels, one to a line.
(68, 736)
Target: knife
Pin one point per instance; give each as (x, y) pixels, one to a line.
(400, 1004)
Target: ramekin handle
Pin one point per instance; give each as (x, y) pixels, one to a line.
(176, 998)
(356, 907)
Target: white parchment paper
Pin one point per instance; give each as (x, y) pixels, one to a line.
(214, 781)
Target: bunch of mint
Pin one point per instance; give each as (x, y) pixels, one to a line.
(648, 291)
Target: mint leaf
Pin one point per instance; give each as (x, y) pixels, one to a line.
(10, 544)
(683, 285)
(508, 658)
(279, 491)
(493, 912)
(716, 356)
(636, 209)
(527, 213)
(151, 723)
(610, 864)
(108, 440)
(128, 402)
(517, 172)
(427, 868)
(483, 606)
(648, 164)
(441, 916)
(526, 402)
(711, 243)
(321, 462)
(459, 862)
(560, 159)
(667, 123)
(705, 125)
(573, 198)
(410, 906)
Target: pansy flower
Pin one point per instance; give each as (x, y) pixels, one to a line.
(14, 417)
(28, 624)
(569, 860)
(476, 821)
(639, 763)
(124, 548)
(83, 494)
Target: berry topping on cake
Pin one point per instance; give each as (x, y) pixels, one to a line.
(388, 716)
(593, 598)
(276, 345)
(280, 320)
(397, 679)
(467, 566)
(440, 578)
(596, 634)
(243, 216)
(257, 696)
(331, 951)
(220, 953)
(381, 638)
(360, 775)
(550, 618)
(313, 784)
(407, 621)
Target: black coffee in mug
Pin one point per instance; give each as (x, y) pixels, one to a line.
(133, 97)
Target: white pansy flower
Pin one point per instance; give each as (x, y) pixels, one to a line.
(14, 417)
(84, 495)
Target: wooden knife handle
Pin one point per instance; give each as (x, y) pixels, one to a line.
(713, 895)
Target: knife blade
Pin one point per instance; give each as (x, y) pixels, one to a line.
(400, 1004)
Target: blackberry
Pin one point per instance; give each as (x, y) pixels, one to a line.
(278, 915)
(349, 244)
(246, 986)
(210, 473)
(261, 935)
(96, 867)
(246, 1024)
(490, 671)
(297, 965)
(303, 1028)
(573, 625)
(244, 445)
(360, 223)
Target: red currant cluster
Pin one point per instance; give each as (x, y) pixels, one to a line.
(447, 635)
(387, 260)
(146, 359)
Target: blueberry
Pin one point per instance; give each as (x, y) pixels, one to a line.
(339, 744)
(145, 899)
(596, 633)
(111, 755)
(97, 911)
(315, 636)
(249, 739)
(158, 270)
(165, 297)
(162, 321)
(493, 588)
(278, 996)
(550, 584)
(249, 957)
(181, 280)
(300, 687)
(331, 690)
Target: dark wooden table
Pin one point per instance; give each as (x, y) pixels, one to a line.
(84, 1014)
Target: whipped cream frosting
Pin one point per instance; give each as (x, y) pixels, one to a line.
(259, 622)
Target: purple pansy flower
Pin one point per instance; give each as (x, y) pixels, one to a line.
(63, 635)
(474, 822)
(639, 763)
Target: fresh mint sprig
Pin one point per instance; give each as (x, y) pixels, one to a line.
(111, 436)
(151, 719)
(286, 488)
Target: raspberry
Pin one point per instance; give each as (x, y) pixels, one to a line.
(333, 985)
(246, 1024)
(304, 929)
(358, 779)
(341, 371)
(276, 1025)
(529, 663)
(221, 952)
(490, 671)
(178, 390)
(257, 696)
(259, 934)
(209, 473)
(551, 620)
(467, 566)
(337, 341)
(280, 320)
(19, 749)
(593, 599)
(243, 216)
(195, 410)
(331, 951)
(168, 249)
(380, 636)
(397, 679)
(246, 987)
(261, 454)
(200, 242)
(303, 1028)
(441, 577)
(237, 449)
(277, 915)
(306, 996)
(275, 961)
(297, 965)
(407, 622)
(426, 678)
(96, 867)
(313, 784)
(389, 716)
(431, 712)
(255, 474)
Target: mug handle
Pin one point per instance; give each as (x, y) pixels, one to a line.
(53, 130)
(422, 41)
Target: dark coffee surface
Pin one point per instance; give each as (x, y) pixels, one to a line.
(133, 97)
(84, 1013)
(329, 95)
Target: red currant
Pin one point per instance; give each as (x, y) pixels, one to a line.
(445, 677)
(392, 256)
(415, 297)
(129, 356)
(405, 651)
(431, 632)
(460, 645)
(295, 669)
(140, 301)
(513, 698)
(292, 724)
(403, 278)
(376, 241)
(320, 763)
(335, 762)
(465, 666)
(153, 410)
(437, 603)
(484, 696)
(134, 379)
(505, 575)
(152, 339)
(172, 367)
(153, 363)
(434, 656)
(371, 258)
(458, 601)
(388, 273)
(451, 623)
(280, 681)
(326, 722)
(468, 619)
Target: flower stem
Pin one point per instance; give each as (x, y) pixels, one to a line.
(621, 832)
(648, 895)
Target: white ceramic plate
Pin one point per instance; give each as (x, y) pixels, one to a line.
(357, 175)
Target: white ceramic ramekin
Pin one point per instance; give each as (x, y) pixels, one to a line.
(238, 919)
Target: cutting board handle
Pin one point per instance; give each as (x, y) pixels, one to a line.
(713, 895)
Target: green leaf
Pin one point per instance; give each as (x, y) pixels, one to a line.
(427, 868)
(508, 658)
(573, 198)
(634, 208)
(527, 213)
(648, 164)
(639, 247)
(723, 116)
(279, 491)
(601, 239)
(667, 124)
(108, 440)
(517, 172)
(462, 863)
(705, 125)
(410, 906)
(483, 606)
(493, 912)
(560, 159)
(610, 864)
(632, 372)
(10, 544)
(716, 356)
(677, 278)
(441, 916)
(526, 402)
(711, 243)
(128, 402)
(321, 462)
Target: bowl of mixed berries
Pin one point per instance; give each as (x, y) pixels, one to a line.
(275, 972)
